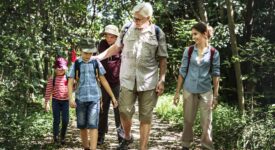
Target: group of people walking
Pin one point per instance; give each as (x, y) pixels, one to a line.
(130, 66)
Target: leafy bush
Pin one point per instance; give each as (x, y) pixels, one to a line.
(230, 129)
(22, 132)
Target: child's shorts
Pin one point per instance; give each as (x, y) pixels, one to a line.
(87, 114)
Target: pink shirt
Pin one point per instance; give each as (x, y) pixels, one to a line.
(60, 89)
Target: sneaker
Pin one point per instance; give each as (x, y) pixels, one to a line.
(63, 141)
(120, 132)
(125, 143)
(100, 141)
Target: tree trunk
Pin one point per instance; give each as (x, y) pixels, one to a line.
(235, 56)
(202, 11)
(248, 20)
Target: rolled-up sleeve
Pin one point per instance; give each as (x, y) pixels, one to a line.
(102, 71)
(184, 63)
(216, 64)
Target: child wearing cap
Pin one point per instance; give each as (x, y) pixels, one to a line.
(57, 90)
(88, 94)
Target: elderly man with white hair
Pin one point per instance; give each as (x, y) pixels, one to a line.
(142, 71)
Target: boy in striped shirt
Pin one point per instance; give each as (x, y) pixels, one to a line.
(57, 89)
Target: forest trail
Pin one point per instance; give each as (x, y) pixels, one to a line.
(162, 136)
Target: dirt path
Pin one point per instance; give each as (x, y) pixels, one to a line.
(162, 137)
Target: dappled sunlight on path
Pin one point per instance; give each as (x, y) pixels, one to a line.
(163, 136)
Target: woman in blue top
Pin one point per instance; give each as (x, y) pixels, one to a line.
(200, 63)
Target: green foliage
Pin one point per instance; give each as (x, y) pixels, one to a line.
(177, 43)
(230, 129)
(166, 109)
(258, 57)
(21, 132)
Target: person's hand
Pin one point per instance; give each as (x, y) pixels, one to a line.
(114, 102)
(72, 104)
(47, 106)
(176, 99)
(160, 88)
(214, 103)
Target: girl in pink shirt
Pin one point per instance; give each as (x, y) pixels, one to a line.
(57, 90)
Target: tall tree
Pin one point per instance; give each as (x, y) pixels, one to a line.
(235, 54)
(248, 19)
(202, 11)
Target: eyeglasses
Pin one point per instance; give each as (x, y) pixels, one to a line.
(138, 19)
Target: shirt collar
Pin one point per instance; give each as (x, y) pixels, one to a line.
(207, 51)
(81, 60)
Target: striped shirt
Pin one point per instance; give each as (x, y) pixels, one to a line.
(59, 90)
(87, 89)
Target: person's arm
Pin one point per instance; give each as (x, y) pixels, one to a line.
(216, 91)
(107, 87)
(112, 50)
(179, 86)
(181, 76)
(48, 94)
(162, 72)
(215, 77)
(70, 92)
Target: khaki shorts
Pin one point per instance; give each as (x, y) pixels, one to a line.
(147, 101)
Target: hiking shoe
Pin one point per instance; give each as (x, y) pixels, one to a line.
(100, 141)
(125, 143)
(63, 141)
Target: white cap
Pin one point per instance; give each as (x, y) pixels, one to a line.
(111, 29)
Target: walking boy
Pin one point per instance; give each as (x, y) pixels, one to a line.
(88, 93)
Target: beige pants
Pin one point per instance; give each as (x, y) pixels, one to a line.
(191, 104)
(147, 101)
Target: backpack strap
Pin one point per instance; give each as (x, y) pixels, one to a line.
(190, 51)
(77, 70)
(54, 80)
(96, 70)
(157, 30)
(125, 31)
(95, 65)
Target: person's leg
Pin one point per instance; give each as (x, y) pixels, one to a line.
(190, 111)
(93, 138)
(147, 101)
(93, 119)
(126, 110)
(120, 131)
(205, 103)
(84, 137)
(65, 120)
(103, 117)
(56, 119)
(81, 119)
